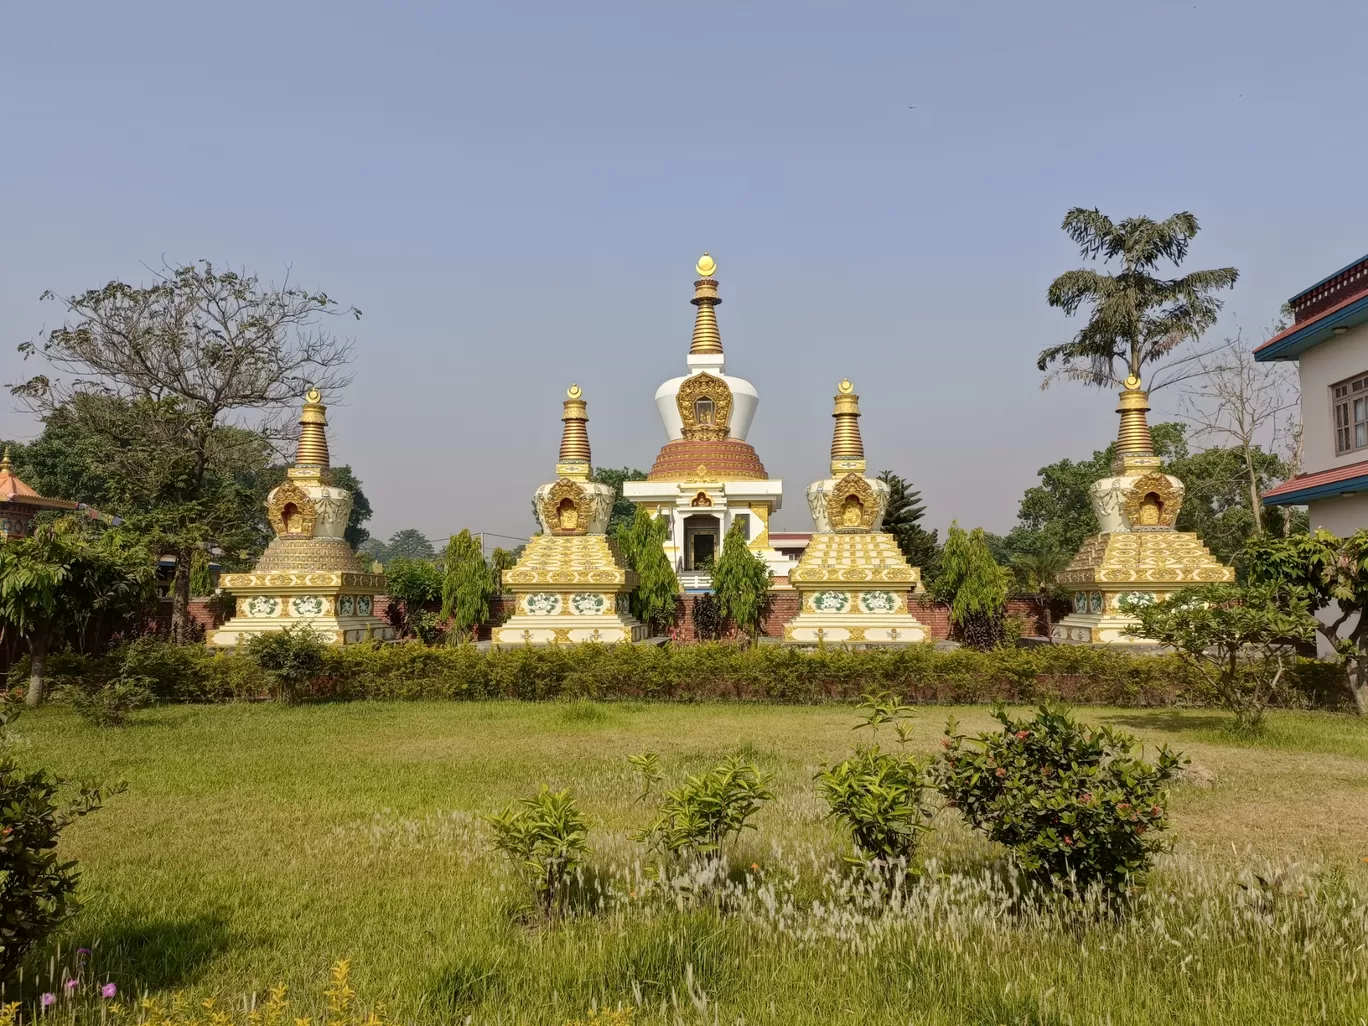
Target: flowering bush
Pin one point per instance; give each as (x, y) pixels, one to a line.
(1071, 803)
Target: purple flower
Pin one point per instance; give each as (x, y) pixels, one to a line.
(83, 952)
(108, 990)
(70, 985)
(48, 999)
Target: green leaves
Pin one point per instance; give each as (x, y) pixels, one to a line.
(545, 837)
(974, 585)
(1073, 804)
(881, 799)
(292, 656)
(467, 584)
(640, 540)
(695, 820)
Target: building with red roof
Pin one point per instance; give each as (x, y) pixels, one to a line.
(1328, 339)
(19, 503)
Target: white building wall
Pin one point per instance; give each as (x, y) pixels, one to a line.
(1344, 356)
(1341, 516)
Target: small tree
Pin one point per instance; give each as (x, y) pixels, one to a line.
(415, 584)
(1137, 318)
(1037, 572)
(696, 819)
(58, 577)
(624, 509)
(902, 519)
(741, 581)
(1238, 638)
(1328, 576)
(641, 543)
(974, 586)
(467, 584)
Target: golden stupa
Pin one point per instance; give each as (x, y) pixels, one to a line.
(571, 583)
(853, 580)
(308, 573)
(1137, 556)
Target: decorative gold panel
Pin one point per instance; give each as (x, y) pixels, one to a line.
(1139, 513)
(704, 386)
(566, 508)
(852, 504)
(302, 521)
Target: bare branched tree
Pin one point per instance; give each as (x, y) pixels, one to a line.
(1244, 403)
(197, 351)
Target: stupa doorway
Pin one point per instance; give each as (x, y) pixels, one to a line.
(702, 532)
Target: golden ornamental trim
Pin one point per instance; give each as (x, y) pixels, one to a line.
(301, 522)
(704, 386)
(1140, 513)
(566, 509)
(852, 504)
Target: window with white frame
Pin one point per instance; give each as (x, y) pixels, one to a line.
(1350, 401)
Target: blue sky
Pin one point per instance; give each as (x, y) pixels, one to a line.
(515, 196)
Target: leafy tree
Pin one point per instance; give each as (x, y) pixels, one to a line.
(903, 521)
(40, 889)
(641, 543)
(58, 577)
(1037, 572)
(1136, 317)
(188, 353)
(624, 509)
(1238, 638)
(467, 584)
(1329, 577)
(410, 543)
(414, 582)
(741, 581)
(974, 586)
(502, 559)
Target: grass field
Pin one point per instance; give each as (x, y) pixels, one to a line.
(256, 844)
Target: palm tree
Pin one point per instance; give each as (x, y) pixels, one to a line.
(1038, 571)
(1137, 318)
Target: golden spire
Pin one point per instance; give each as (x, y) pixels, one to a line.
(1134, 446)
(847, 448)
(706, 337)
(574, 448)
(313, 440)
(6, 466)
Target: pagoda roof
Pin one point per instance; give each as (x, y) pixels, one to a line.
(12, 489)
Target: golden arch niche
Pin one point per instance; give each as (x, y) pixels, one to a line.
(852, 504)
(291, 512)
(705, 406)
(1152, 501)
(565, 510)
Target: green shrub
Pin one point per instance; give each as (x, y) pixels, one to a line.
(879, 796)
(1071, 803)
(106, 704)
(975, 587)
(742, 581)
(695, 820)
(292, 657)
(37, 889)
(545, 837)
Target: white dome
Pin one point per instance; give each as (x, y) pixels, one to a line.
(744, 400)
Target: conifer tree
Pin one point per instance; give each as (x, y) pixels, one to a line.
(641, 542)
(467, 584)
(741, 581)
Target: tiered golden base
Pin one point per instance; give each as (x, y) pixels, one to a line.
(854, 590)
(571, 589)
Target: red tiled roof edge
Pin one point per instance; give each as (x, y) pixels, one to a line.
(1307, 323)
(1319, 478)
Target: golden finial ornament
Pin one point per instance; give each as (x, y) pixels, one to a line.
(313, 439)
(706, 338)
(1134, 446)
(574, 448)
(847, 447)
(5, 465)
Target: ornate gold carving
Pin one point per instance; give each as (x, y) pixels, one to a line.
(856, 633)
(1145, 557)
(291, 512)
(566, 508)
(1152, 501)
(569, 560)
(701, 499)
(705, 404)
(561, 635)
(761, 513)
(316, 554)
(852, 504)
(853, 558)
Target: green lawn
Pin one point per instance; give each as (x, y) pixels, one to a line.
(256, 844)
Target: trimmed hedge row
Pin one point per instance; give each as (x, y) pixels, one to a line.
(702, 672)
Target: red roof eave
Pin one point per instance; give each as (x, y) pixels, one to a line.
(1307, 323)
(1319, 479)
